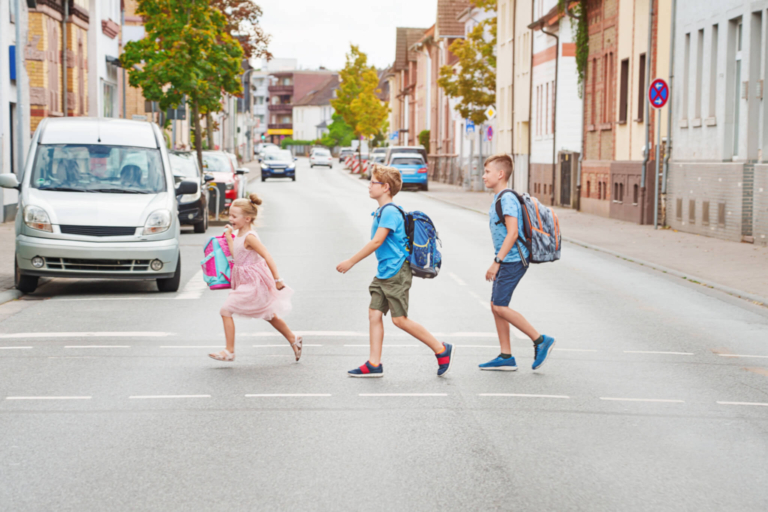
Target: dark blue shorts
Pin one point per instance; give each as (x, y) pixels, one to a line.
(506, 281)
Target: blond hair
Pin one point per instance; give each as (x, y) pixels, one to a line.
(248, 206)
(504, 161)
(389, 176)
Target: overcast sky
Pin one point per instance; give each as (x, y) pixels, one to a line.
(318, 32)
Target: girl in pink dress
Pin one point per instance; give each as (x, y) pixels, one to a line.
(257, 289)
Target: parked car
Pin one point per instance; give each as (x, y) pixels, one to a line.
(321, 157)
(265, 148)
(278, 164)
(392, 150)
(193, 208)
(219, 165)
(345, 152)
(375, 159)
(242, 178)
(97, 201)
(412, 168)
(261, 146)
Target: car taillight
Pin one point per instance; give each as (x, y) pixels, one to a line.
(423, 170)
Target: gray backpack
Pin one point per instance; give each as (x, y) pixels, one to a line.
(541, 229)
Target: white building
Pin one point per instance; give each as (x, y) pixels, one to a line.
(260, 101)
(556, 108)
(103, 54)
(312, 114)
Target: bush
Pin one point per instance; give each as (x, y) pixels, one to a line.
(424, 139)
(290, 142)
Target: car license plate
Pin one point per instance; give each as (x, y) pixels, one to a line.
(408, 172)
(278, 170)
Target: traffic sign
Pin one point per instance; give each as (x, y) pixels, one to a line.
(489, 133)
(470, 126)
(395, 135)
(490, 113)
(658, 93)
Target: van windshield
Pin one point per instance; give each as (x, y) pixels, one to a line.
(98, 168)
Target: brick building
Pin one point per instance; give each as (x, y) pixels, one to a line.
(408, 110)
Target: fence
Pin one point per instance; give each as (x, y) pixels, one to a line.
(446, 169)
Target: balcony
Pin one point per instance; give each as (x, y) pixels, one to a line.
(285, 126)
(281, 108)
(280, 89)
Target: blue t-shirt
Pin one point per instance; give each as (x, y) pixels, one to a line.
(392, 253)
(510, 206)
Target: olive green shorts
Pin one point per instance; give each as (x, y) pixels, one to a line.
(392, 294)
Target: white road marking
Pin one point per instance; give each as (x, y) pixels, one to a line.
(744, 403)
(660, 400)
(576, 349)
(386, 345)
(48, 398)
(15, 348)
(194, 288)
(306, 333)
(143, 397)
(523, 395)
(403, 394)
(126, 334)
(285, 345)
(456, 278)
(97, 346)
(741, 355)
(288, 395)
(656, 352)
(190, 346)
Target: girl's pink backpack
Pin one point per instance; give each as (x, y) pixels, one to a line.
(217, 269)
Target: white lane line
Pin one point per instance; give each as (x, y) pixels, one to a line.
(127, 334)
(97, 346)
(285, 345)
(403, 394)
(741, 355)
(456, 278)
(150, 397)
(306, 333)
(194, 288)
(15, 348)
(387, 346)
(288, 395)
(761, 404)
(190, 346)
(660, 400)
(521, 395)
(576, 349)
(658, 352)
(48, 398)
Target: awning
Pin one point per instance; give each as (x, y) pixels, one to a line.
(113, 61)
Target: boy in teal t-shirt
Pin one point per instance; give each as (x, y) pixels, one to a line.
(390, 288)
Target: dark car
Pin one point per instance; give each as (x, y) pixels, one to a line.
(278, 164)
(193, 208)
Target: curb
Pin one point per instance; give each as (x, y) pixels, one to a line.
(756, 299)
(9, 295)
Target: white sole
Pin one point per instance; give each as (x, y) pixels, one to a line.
(501, 369)
(366, 375)
(551, 348)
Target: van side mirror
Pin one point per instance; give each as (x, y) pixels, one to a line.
(9, 181)
(241, 171)
(187, 187)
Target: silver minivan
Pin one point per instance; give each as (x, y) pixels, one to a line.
(97, 200)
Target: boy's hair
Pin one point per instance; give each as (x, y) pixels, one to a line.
(389, 176)
(503, 161)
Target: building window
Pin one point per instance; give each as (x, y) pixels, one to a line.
(593, 114)
(552, 117)
(621, 192)
(721, 214)
(699, 72)
(615, 192)
(686, 72)
(641, 89)
(588, 189)
(607, 87)
(624, 91)
(705, 213)
(737, 91)
(679, 208)
(635, 190)
(713, 72)
(110, 92)
(546, 110)
(692, 211)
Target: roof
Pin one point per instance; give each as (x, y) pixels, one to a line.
(91, 130)
(406, 37)
(384, 74)
(322, 95)
(448, 24)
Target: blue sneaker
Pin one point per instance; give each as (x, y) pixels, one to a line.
(542, 351)
(500, 365)
(444, 359)
(367, 371)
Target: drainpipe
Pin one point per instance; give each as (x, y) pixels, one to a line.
(669, 111)
(646, 151)
(554, 110)
(64, 103)
(530, 100)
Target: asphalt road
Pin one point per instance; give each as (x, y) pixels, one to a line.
(655, 398)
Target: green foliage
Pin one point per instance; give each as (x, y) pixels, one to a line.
(291, 142)
(424, 139)
(578, 17)
(473, 80)
(339, 133)
(356, 98)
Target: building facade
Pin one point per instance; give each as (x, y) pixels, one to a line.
(312, 114)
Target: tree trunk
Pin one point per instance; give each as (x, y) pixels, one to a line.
(209, 129)
(198, 135)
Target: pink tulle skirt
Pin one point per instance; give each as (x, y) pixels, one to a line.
(254, 294)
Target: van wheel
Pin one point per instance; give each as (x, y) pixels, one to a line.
(171, 284)
(25, 284)
(202, 226)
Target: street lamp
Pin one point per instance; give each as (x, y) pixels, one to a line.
(248, 138)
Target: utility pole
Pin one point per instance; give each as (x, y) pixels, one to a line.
(19, 102)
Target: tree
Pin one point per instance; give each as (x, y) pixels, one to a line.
(356, 99)
(243, 23)
(473, 81)
(339, 133)
(578, 16)
(186, 52)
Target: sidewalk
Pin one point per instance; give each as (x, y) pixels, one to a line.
(736, 268)
(7, 251)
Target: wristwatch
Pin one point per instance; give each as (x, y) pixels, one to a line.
(496, 259)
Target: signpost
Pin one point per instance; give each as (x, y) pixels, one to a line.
(470, 126)
(658, 96)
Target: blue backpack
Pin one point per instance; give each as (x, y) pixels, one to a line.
(424, 254)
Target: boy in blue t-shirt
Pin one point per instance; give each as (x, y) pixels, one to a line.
(389, 289)
(509, 267)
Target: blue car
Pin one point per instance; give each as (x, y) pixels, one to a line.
(412, 168)
(278, 164)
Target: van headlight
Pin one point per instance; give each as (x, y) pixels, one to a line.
(158, 221)
(37, 218)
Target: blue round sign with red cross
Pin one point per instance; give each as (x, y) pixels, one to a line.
(658, 93)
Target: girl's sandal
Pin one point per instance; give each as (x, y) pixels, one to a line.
(298, 345)
(224, 355)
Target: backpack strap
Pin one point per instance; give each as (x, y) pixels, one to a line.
(408, 226)
(499, 211)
